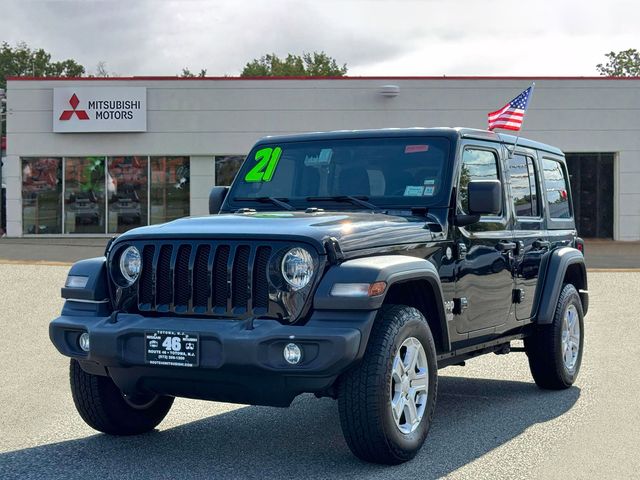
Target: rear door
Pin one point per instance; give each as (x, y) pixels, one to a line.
(529, 229)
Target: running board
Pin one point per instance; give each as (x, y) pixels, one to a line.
(446, 358)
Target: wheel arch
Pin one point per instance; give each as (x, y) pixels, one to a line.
(420, 294)
(563, 265)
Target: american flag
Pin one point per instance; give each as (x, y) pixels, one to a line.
(510, 116)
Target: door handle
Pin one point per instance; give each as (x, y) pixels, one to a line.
(505, 246)
(540, 244)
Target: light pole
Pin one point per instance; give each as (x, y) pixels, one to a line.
(2, 207)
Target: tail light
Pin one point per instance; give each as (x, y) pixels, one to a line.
(579, 244)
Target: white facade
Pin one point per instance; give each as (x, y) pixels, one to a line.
(203, 118)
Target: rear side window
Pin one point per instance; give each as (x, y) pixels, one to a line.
(476, 165)
(524, 188)
(556, 189)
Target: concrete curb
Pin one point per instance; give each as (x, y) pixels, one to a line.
(595, 270)
(35, 262)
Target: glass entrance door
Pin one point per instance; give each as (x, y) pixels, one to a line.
(127, 191)
(84, 198)
(591, 176)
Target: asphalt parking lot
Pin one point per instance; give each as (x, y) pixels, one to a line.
(491, 421)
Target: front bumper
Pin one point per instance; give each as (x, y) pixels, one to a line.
(236, 365)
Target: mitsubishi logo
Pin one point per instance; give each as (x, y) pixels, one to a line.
(67, 114)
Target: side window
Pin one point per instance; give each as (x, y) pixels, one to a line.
(476, 165)
(524, 189)
(556, 190)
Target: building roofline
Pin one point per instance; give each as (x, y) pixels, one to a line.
(170, 78)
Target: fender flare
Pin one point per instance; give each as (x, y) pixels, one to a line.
(392, 269)
(550, 285)
(96, 289)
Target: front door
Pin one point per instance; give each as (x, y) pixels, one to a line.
(529, 230)
(484, 280)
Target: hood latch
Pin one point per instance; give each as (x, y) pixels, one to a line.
(334, 252)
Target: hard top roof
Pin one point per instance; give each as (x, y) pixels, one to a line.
(453, 133)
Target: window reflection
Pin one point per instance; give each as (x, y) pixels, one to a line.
(103, 195)
(556, 188)
(41, 195)
(523, 186)
(84, 195)
(127, 188)
(226, 168)
(476, 165)
(169, 188)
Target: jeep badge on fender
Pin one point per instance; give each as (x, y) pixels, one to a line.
(349, 264)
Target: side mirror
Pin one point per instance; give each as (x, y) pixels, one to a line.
(216, 197)
(485, 197)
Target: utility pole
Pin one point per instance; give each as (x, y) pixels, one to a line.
(2, 206)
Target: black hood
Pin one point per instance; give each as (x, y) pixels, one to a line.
(353, 230)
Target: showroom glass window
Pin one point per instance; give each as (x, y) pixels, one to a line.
(169, 188)
(226, 168)
(84, 196)
(557, 191)
(41, 195)
(127, 193)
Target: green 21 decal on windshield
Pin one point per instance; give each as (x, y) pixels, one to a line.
(267, 159)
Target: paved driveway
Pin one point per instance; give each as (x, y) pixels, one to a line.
(491, 421)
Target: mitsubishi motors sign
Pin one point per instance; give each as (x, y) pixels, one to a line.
(99, 109)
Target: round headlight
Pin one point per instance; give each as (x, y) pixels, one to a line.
(297, 268)
(130, 264)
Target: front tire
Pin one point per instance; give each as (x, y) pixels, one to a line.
(386, 402)
(105, 408)
(555, 350)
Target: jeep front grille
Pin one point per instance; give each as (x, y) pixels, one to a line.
(204, 277)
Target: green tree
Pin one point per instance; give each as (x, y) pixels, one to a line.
(186, 73)
(316, 64)
(21, 60)
(621, 64)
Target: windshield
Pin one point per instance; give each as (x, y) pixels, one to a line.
(388, 172)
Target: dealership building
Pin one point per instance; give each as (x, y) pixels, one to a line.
(99, 156)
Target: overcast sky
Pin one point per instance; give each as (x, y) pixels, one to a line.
(373, 37)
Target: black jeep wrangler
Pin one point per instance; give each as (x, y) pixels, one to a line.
(349, 264)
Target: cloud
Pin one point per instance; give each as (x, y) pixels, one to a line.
(431, 37)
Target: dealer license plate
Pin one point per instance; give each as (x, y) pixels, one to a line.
(172, 348)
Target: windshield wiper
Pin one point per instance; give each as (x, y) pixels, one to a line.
(280, 202)
(360, 200)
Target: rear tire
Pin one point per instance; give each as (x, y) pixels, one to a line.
(103, 406)
(553, 358)
(366, 393)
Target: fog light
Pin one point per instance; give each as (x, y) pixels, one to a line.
(83, 341)
(292, 353)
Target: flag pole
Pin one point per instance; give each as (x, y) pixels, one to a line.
(533, 86)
